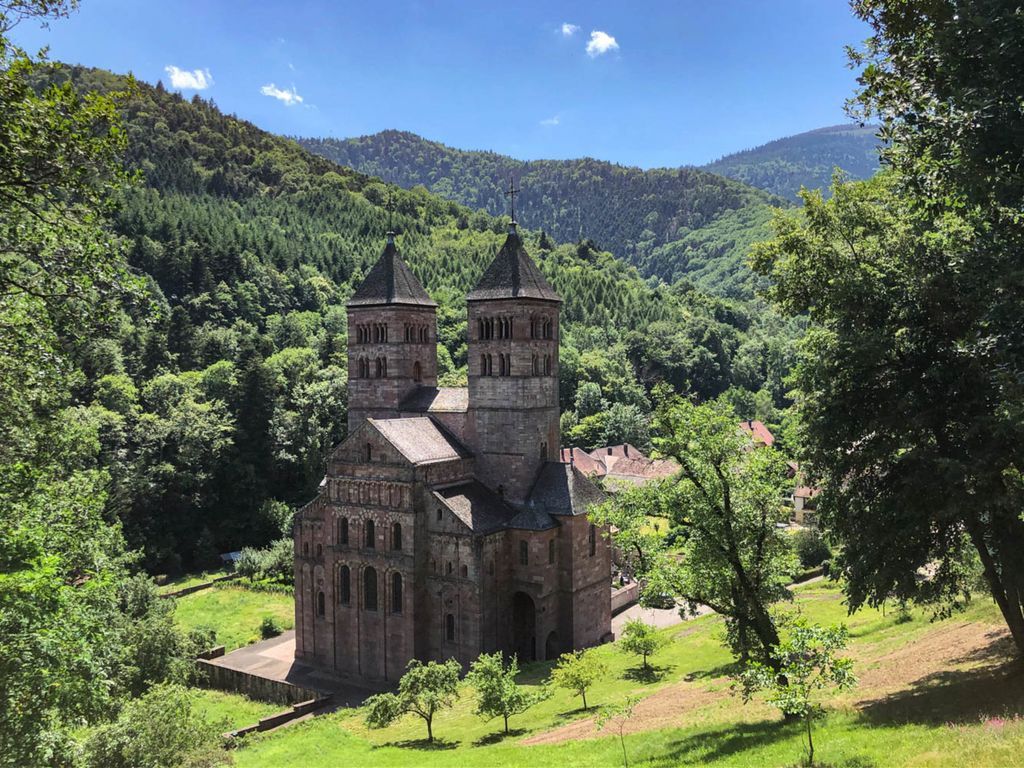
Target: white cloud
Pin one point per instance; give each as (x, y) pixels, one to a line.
(551, 120)
(568, 30)
(288, 96)
(196, 80)
(600, 43)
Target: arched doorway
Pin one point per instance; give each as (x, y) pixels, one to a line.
(551, 648)
(524, 623)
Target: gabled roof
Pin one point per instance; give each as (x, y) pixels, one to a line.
(436, 400)
(512, 275)
(583, 461)
(561, 489)
(390, 281)
(758, 432)
(478, 507)
(420, 440)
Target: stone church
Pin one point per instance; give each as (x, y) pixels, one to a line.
(446, 525)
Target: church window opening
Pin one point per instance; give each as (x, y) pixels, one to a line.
(551, 552)
(370, 589)
(368, 453)
(343, 531)
(319, 550)
(344, 585)
(439, 513)
(396, 593)
(524, 553)
(379, 369)
(504, 365)
(396, 536)
(536, 365)
(371, 537)
(592, 537)
(449, 627)
(448, 568)
(417, 371)
(305, 549)
(543, 450)
(465, 571)
(490, 568)
(320, 604)
(547, 365)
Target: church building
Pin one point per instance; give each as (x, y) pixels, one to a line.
(446, 525)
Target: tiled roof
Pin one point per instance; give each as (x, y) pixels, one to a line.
(482, 510)
(419, 439)
(584, 462)
(758, 432)
(437, 400)
(561, 489)
(642, 469)
(390, 281)
(512, 275)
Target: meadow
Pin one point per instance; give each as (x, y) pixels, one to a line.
(234, 612)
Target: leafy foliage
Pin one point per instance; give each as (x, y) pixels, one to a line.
(577, 672)
(498, 693)
(423, 690)
(641, 639)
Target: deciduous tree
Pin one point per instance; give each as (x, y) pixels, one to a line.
(423, 690)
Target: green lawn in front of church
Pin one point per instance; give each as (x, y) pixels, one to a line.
(234, 612)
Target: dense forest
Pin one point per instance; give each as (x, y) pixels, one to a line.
(808, 160)
(670, 223)
(220, 393)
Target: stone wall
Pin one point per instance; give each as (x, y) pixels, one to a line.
(253, 686)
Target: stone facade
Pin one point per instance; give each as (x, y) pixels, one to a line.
(446, 526)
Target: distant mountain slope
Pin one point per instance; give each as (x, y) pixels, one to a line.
(672, 223)
(807, 159)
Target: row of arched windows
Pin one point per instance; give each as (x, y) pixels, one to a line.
(371, 332)
(379, 366)
(541, 327)
(450, 569)
(495, 327)
(540, 366)
(369, 534)
(370, 596)
(417, 332)
(368, 491)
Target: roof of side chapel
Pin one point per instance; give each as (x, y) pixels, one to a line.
(390, 281)
(512, 275)
(420, 440)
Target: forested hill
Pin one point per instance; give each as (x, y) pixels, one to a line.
(671, 223)
(216, 411)
(807, 159)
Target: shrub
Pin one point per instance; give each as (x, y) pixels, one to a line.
(270, 627)
(811, 548)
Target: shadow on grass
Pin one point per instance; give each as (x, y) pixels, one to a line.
(722, 670)
(725, 742)
(497, 737)
(648, 674)
(436, 745)
(957, 696)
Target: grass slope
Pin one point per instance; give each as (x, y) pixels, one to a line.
(231, 710)
(929, 693)
(234, 612)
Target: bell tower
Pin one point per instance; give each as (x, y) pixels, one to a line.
(513, 370)
(392, 339)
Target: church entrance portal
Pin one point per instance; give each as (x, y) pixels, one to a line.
(524, 626)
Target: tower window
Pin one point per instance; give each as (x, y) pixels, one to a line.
(486, 365)
(417, 371)
(547, 365)
(396, 593)
(448, 568)
(343, 531)
(368, 452)
(524, 553)
(592, 538)
(320, 604)
(396, 536)
(465, 571)
(536, 365)
(551, 552)
(344, 585)
(449, 627)
(305, 549)
(319, 550)
(371, 539)
(439, 514)
(370, 589)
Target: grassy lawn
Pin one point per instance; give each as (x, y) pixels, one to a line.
(231, 710)
(930, 694)
(234, 612)
(189, 580)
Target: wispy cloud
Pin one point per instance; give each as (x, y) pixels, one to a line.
(288, 96)
(600, 43)
(194, 80)
(554, 120)
(568, 30)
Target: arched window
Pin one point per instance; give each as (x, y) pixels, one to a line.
(379, 368)
(370, 536)
(449, 627)
(448, 568)
(370, 589)
(480, 328)
(368, 453)
(536, 365)
(343, 531)
(417, 371)
(396, 536)
(320, 604)
(305, 549)
(465, 571)
(543, 450)
(396, 592)
(547, 365)
(319, 550)
(592, 536)
(524, 553)
(551, 551)
(385, 362)
(344, 585)
(439, 513)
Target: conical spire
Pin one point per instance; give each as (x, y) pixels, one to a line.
(390, 281)
(513, 275)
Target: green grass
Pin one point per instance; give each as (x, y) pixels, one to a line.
(946, 717)
(234, 612)
(189, 580)
(231, 710)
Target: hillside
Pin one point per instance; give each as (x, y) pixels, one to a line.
(670, 223)
(805, 160)
(217, 410)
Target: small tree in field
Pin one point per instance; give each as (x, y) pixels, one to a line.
(807, 663)
(423, 690)
(498, 694)
(618, 715)
(577, 672)
(641, 639)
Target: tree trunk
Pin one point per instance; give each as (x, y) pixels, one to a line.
(506, 724)
(810, 742)
(1007, 598)
(584, 695)
(430, 730)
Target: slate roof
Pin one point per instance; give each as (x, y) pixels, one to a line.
(390, 281)
(512, 275)
(420, 440)
(481, 509)
(561, 489)
(436, 400)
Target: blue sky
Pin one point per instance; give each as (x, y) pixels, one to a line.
(639, 83)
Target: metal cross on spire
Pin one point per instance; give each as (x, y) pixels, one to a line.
(511, 193)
